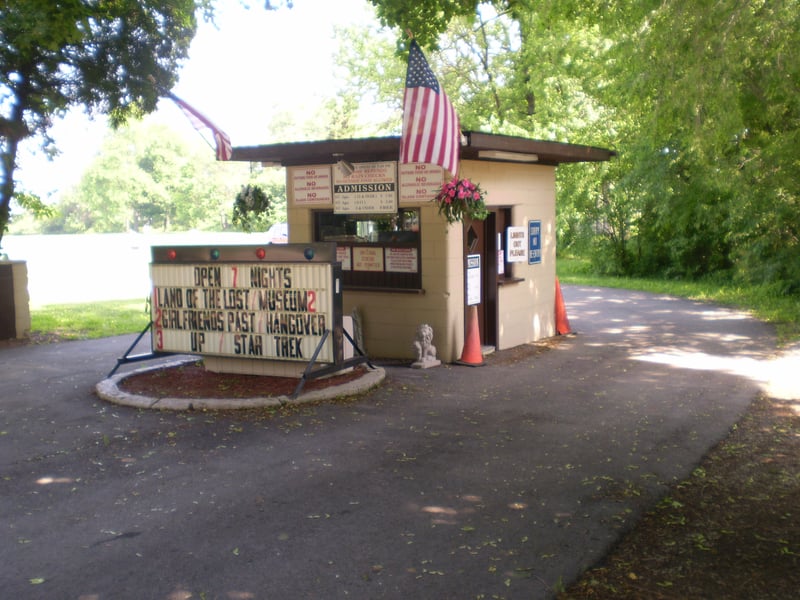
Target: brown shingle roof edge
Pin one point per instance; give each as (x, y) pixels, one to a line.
(388, 148)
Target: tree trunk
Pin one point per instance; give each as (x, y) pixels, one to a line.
(12, 130)
(9, 158)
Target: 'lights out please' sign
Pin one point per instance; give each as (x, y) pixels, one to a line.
(246, 302)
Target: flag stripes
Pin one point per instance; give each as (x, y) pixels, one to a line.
(222, 142)
(431, 130)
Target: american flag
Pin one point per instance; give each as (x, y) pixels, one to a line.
(431, 132)
(221, 139)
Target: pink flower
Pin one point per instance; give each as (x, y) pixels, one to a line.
(459, 198)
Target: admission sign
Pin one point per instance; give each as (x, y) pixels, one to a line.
(370, 188)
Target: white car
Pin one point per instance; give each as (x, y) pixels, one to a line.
(278, 233)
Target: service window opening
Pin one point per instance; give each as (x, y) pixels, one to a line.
(378, 252)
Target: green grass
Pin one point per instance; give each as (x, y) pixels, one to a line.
(763, 302)
(117, 317)
(90, 320)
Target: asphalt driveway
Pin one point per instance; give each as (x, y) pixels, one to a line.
(503, 481)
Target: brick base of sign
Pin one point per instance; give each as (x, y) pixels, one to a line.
(186, 385)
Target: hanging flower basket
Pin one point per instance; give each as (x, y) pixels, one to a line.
(252, 209)
(460, 199)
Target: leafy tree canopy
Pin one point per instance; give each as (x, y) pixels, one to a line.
(424, 20)
(146, 177)
(54, 56)
(700, 100)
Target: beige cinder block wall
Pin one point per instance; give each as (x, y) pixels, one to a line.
(389, 320)
(526, 309)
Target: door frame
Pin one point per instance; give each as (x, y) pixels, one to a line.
(484, 244)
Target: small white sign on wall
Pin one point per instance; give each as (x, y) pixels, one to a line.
(311, 185)
(516, 244)
(419, 182)
(473, 279)
(367, 258)
(344, 256)
(401, 260)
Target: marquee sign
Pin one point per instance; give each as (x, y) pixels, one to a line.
(271, 302)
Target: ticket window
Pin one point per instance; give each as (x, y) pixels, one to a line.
(379, 252)
(505, 268)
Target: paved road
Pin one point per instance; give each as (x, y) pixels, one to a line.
(501, 481)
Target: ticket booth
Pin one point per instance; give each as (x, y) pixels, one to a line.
(403, 264)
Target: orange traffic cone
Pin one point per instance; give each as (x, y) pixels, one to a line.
(562, 322)
(471, 355)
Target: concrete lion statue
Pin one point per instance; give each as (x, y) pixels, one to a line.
(423, 346)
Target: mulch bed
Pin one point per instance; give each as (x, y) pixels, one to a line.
(192, 380)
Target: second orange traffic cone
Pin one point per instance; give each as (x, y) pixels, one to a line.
(472, 355)
(562, 322)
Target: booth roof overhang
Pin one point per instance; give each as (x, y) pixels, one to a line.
(475, 146)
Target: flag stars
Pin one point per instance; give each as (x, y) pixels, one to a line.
(419, 73)
(431, 132)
